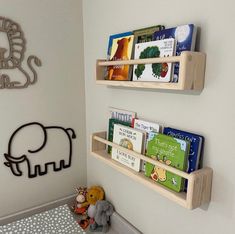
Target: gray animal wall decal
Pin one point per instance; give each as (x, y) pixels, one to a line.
(12, 51)
(33, 146)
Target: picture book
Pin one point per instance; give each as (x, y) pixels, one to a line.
(147, 127)
(115, 36)
(123, 115)
(110, 130)
(196, 145)
(170, 151)
(131, 139)
(146, 34)
(160, 72)
(185, 36)
(121, 49)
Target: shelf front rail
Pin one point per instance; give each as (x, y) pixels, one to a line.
(191, 72)
(199, 182)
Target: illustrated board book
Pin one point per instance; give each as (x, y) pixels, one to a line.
(121, 49)
(185, 36)
(170, 151)
(123, 115)
(159, 72)
(196, 146)
(131, 139)
(111, 128)
(146, 34)
(147, 127)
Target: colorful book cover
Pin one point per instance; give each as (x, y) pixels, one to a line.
(160, 72)
(131, 139)
(111, 128)
(196, 146)
(185, 36)
(147, 127)
(123, 115)
(146, 34)
(172, 152)
(121, 49)
(115, 36)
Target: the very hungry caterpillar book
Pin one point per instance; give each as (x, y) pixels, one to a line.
(172, 152)
(160, 72)
(131, 139)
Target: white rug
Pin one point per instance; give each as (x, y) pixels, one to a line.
(58, 221)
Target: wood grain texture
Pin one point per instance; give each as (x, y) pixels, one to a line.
(199, 182)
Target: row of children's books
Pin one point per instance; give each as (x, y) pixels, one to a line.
(174, 147)
(151, 42)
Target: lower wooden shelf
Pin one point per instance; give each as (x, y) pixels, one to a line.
(199, 182)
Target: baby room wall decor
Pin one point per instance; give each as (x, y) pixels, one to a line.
(12, 49)
(39, 148)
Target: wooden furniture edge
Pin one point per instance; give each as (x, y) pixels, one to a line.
(199, 182)
(191, 72)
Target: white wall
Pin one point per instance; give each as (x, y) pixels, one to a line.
(211, 113)
(54, 32)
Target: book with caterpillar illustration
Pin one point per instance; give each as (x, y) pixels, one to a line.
(160, 72)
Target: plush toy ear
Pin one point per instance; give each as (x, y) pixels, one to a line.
(101, 193)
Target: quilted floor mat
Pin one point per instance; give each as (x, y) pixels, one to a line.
(58, 221)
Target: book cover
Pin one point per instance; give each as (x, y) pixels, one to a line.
(146, 34)
(196, 146)
(131, 139)
(121, 49)
(160, 72)
(111, 128)
(172, 152)
(185, 36)
(115, 36)
(147, 127)
(123, 115)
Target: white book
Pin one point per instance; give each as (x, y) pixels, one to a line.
(159, 72)
(147, 127)
(131, 139)
(123, 115)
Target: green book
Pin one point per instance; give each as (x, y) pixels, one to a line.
(170, 151)
(111, 127)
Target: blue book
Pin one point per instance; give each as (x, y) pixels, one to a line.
(185, 36)
(196, 146)
(115, 36)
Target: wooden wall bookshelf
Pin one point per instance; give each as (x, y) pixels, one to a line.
(191, 72)
(199, 182)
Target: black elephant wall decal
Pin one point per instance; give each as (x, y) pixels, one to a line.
(38, 147)
(12, 56)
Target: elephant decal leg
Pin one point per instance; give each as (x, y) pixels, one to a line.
(37, 156)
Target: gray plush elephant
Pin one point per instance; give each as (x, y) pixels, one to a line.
(103, 211)
(39, 147)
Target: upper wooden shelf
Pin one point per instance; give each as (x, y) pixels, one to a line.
(191, 72)
(199, 182)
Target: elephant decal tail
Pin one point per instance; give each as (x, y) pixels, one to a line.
(70, 130)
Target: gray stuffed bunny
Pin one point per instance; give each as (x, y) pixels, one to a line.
(103, 211)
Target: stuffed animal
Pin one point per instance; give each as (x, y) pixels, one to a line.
(80, 206)
(94, 194)
(103, 211)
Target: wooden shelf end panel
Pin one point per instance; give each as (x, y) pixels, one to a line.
(199, 188)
